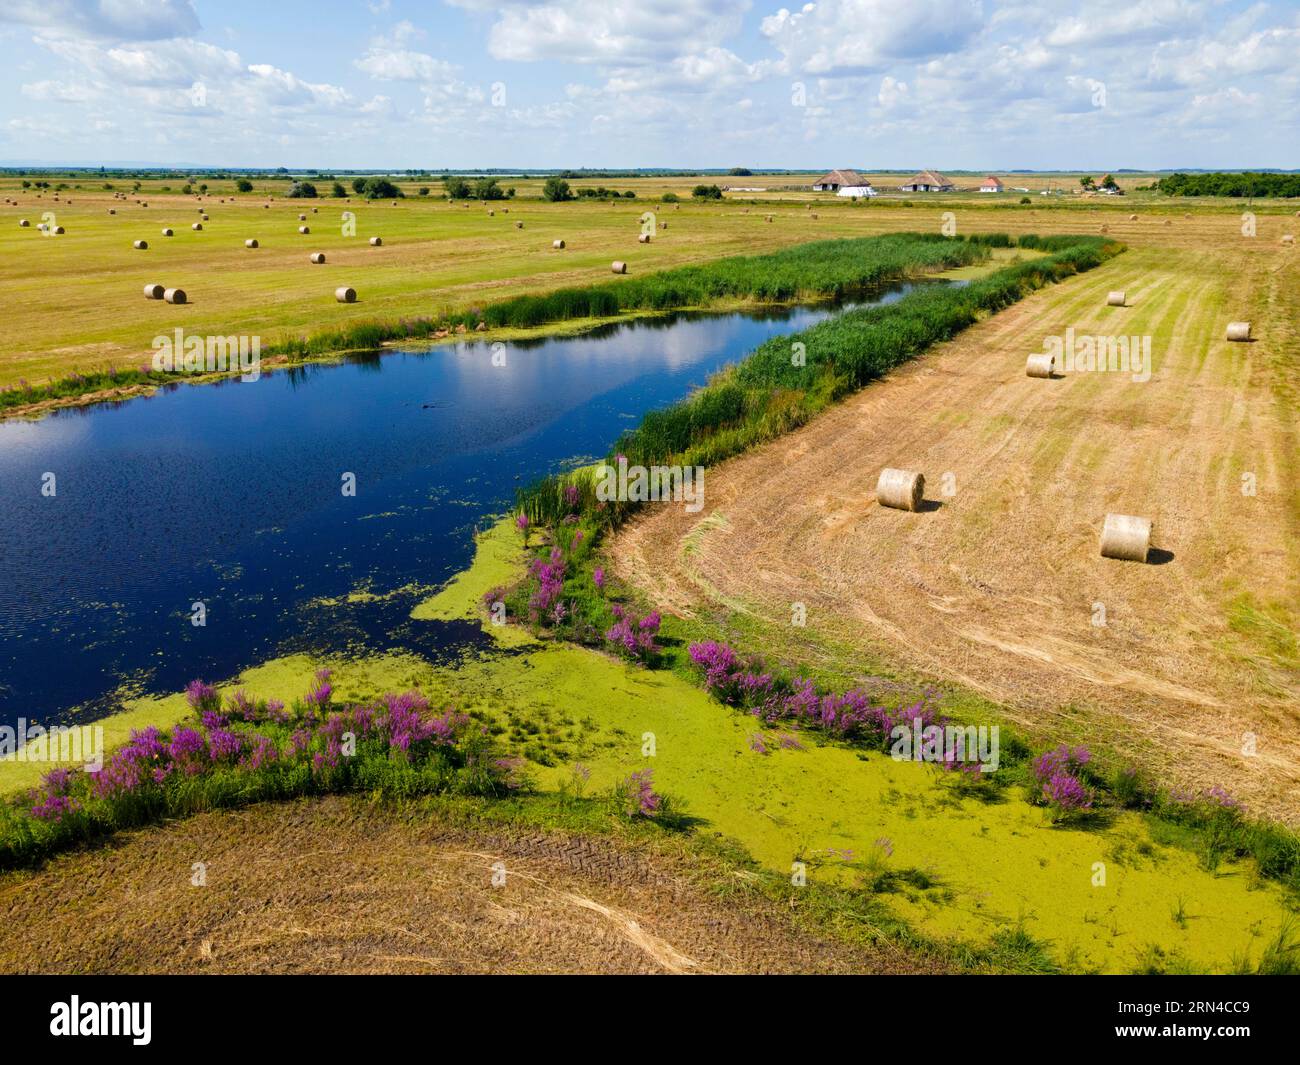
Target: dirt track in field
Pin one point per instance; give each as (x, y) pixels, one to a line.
(995, 585)
(336, 886)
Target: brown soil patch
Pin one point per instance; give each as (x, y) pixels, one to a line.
(338, 886)
(994, 587)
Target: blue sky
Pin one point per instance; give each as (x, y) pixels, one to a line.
(877, 84)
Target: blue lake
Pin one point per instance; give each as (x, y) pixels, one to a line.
(230, 494)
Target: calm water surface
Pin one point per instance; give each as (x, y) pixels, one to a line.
(230, 495)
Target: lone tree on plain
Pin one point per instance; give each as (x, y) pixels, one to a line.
(556, 190)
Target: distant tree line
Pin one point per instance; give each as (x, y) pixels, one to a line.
(1248, 184)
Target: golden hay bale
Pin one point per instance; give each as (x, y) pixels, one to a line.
(1105, 229)
(663, 225)
(304, 229)
(344, 294)
(174, 295)
(59, 230)
(1040, 365)
(1125, 537)
(1238, 331)
(140, 245)
(492, 214)
(318, 257)
(1288, 238)
(1132, 218)
(112, 210)
(769, 218)
(153, 292)
(644, 238)
(376, 242)
(557, 244)
(900, 489)
(314, 210)
(519, 225)
(302, 218)
(618, 266)
(1115, 299)
(196, 225)
(24, 223)
(167, 233)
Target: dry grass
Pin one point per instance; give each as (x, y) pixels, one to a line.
(995, 587)
(337, 886)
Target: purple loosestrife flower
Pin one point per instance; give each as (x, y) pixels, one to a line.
(632, 637)
(224, 745)
(188, 750)
(598, 578)
(262, 753)
(756, 743)
(202, 697)
(132, 765)
(53, 807)
(639, 794)
(57, 780)
(521, 523)
(1066, 794)
(319, 696)
(571, 495)
(241, 706)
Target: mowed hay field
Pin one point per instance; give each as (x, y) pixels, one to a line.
(74, 301)
(337, 885)
(998, 586)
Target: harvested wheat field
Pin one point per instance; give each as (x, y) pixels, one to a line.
(338, 886)
(1188, 662)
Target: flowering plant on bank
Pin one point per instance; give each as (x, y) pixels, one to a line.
(245, 749)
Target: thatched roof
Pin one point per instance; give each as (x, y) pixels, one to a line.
(842, 178)
(927, 177)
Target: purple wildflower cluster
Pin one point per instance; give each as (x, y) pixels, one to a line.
(547, 599)
(221, 737)
(1215, 797)
(747, 685)
(633, 636)
(640, 796)
(1058, 773)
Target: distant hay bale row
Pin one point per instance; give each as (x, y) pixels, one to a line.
(1238, 331)
(1040, 365)
(900, 489)
(1126, 537)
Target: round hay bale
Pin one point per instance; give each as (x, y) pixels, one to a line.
(492, 214)
(1105, 229)
(663, 225)
(519, 225)
(1288, 238)
(1168, 222)
(251, 243)
(557, 244)
(304, 229)
(344, 294)
(59, 231)
(1132, 218)
(813, 216)
(618, 266)
(112, 210)
(140, 245)
(644, 238)
(302, 218)
(1238, 331)
(318, 257)
(196, 226)
(769, 218)
(1125, 537)
(24, 223)
(167, 233)
(1115, 299)
(174, 295)
(153, 292)
(376, 242)
(315, 210)
(1040, 365)
(900, 489)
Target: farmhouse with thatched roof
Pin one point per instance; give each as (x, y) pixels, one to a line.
(927, 181)
(991, 184)
(840, 179)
